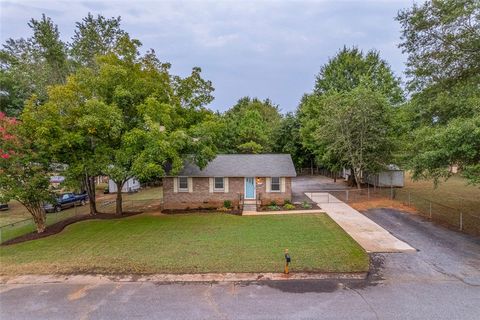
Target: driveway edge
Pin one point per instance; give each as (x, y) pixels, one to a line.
(181, 278)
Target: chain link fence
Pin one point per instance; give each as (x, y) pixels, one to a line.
(25, 226)
(460, 218)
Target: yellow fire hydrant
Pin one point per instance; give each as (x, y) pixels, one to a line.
(287, 261)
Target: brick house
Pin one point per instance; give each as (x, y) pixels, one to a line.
(244, 179)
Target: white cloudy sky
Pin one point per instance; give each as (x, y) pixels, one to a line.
(265, 49)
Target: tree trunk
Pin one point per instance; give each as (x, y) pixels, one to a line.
(335, 177)
(89, 183)
(119, 209)
(356, 174)
(39, 217)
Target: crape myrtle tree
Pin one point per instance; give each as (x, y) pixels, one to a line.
(349, 77)
(442, 41)
(24, 168)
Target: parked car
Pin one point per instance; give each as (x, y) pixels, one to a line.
(65, 201)
(3, 206)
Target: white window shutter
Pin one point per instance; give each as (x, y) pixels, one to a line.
(175, 185)
(190, 184)
(282, 184)
(268, 182)
(225, 185)
(210, 185)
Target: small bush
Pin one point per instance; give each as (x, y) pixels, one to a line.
(273, 203)
(287, 201)
(274, 207)
(306, 205)
(227, 204)
(288, 206)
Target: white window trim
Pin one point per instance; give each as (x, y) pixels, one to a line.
(183, 189)
(279, 185)
(219, 189)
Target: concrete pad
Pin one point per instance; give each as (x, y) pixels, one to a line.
(367, 233)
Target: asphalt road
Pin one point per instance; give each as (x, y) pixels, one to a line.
(440, 281)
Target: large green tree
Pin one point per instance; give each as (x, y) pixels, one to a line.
(250, 126)
(126, 117)
(95, 36)
(350, 67)
(442, 40)
(348, 75)
(29, 66)
(289, 141)
(353, 129)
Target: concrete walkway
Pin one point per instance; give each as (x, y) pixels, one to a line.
(367, 233)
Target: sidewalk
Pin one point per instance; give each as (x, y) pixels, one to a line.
(199, 277)
(367, 233)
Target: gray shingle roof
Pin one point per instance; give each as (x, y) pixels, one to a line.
(244, 165)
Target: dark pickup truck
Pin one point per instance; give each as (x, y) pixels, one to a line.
(66, 200)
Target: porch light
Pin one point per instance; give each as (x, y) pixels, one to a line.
(259, 180)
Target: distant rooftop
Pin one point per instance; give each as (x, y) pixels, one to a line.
(243, 165)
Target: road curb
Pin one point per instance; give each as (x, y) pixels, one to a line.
(180, 278)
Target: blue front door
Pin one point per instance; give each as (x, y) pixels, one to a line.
(249, 188)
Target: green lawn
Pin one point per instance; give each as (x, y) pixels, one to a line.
(190, 243)
(454, 193)
(144, 200)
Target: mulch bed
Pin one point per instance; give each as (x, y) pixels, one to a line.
(59, 226)
(200, 210)
(298, 206)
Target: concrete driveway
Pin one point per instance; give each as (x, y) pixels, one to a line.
(441, 281)
(368, 234)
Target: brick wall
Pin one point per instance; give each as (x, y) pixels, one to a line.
(200, 197)
(278, 197)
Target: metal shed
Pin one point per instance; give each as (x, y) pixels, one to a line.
(393, 176)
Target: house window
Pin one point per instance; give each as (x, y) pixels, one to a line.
(218, 185)
(182, 183)
(275, 184)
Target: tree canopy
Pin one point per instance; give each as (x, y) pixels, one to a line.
(250, 126)
(126, 117)
(346, 121)
(350, 67)
(442, 40)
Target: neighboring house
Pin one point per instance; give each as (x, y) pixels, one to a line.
(257, 178)
(55, 181)
(132, 185)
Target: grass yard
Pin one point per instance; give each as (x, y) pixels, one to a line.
(143, 200)
(190, 243)
(151, 193)
(453, 193)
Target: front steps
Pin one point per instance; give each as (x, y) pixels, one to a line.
(249, 206)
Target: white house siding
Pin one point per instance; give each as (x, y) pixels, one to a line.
(131, 185)
(394, 178)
